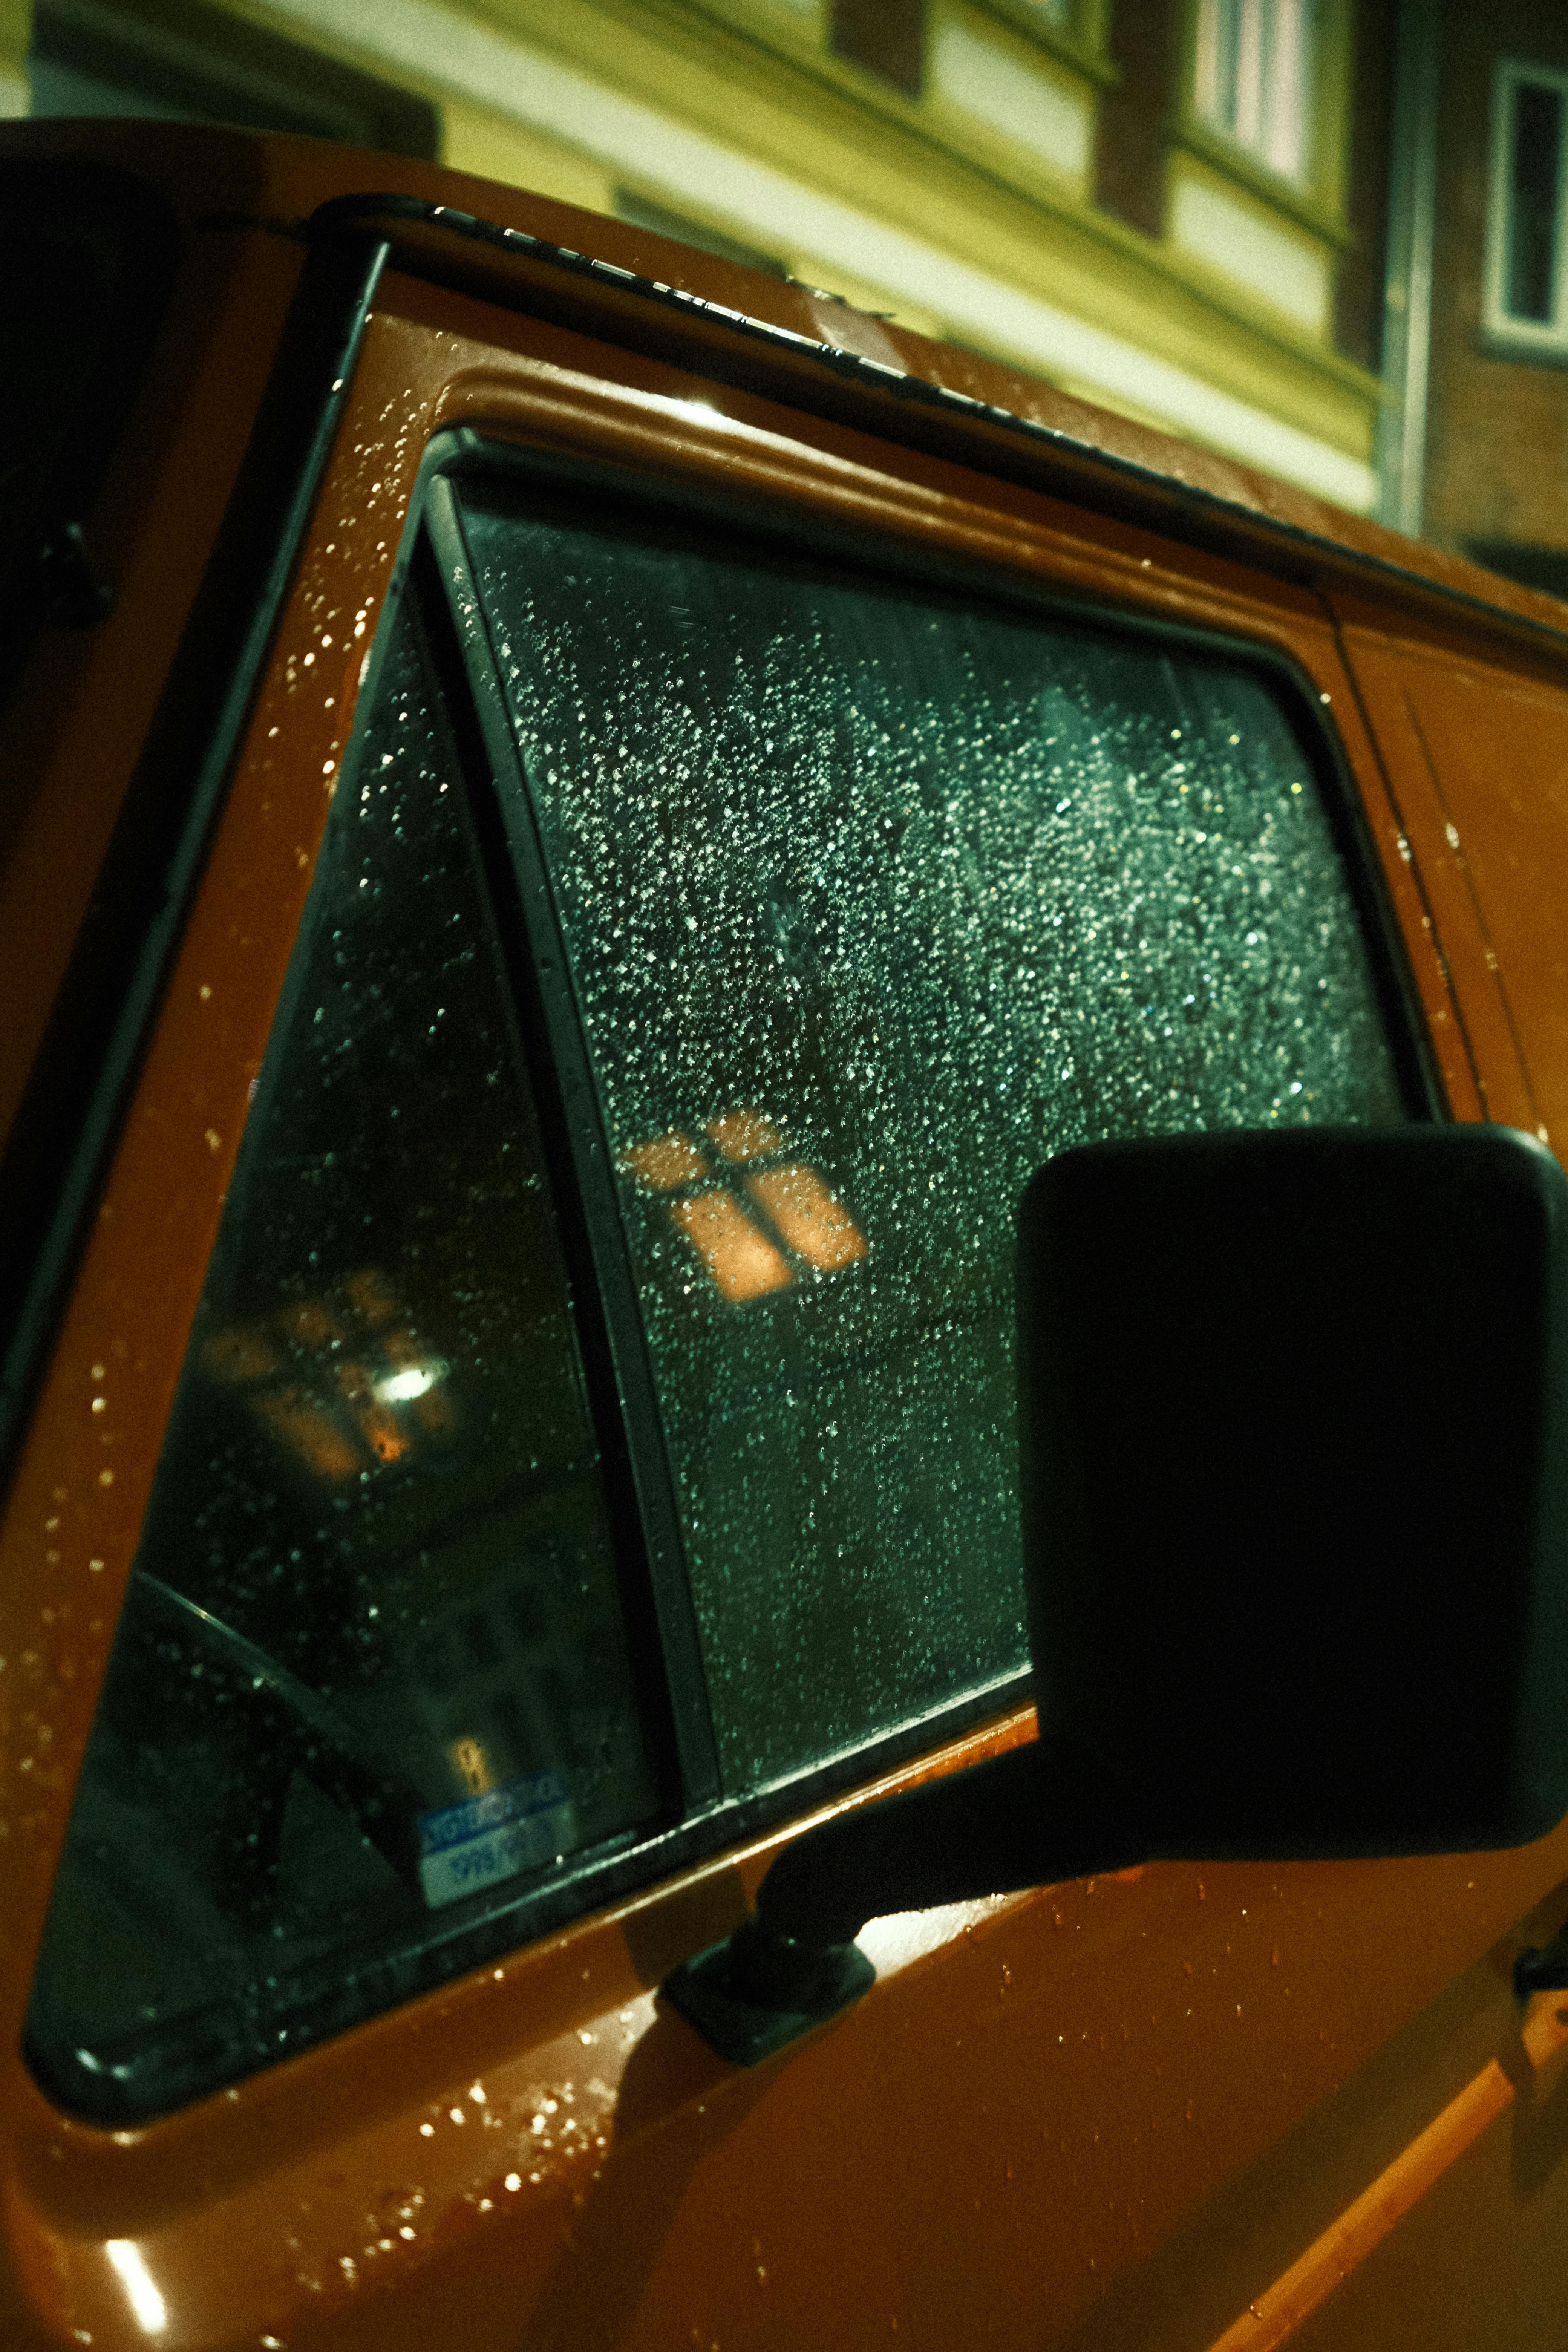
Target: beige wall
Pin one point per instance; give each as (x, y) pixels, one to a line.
(15, 24)
(967, 212)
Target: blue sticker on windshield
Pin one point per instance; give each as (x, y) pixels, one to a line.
(493, 1835)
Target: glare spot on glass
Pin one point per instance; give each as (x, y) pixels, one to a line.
(403, 1386)
(151, 2311)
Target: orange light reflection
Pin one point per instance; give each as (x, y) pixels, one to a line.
(310, 1431)
(665, 1161)
(742, 1262)
(815, 1225)
(744, 1135)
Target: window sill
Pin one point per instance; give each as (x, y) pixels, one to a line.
(1085, 56)
(1298, 205)
(1512, 341)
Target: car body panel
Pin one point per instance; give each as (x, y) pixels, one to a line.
(1482, 739)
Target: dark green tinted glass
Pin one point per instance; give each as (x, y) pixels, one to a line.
(372, 1668)
(876, 899)
(1536, 200)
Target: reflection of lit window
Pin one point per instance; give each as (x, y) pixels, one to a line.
(1253, 77)
(667, 1161)
(790, 1223)
(343, 1383)
(744, 1135)
(740, 1262)
(815, 1225)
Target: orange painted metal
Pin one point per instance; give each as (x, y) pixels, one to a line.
(1044, 2099)
(1485, 734)
(1277, 2314)
(1400, 2263)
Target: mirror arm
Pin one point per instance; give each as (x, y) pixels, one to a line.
(1034, 1814)
(1031, 1817)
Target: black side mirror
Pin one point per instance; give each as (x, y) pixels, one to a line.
(1293, 1425)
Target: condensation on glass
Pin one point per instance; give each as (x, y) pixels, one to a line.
(372, 1671)
(875, 900)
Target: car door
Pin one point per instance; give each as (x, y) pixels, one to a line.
(531, 1428)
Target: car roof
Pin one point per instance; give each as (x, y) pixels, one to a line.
(216, 178)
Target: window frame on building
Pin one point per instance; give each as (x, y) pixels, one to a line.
(1274, 236)
(1315, 198)
(194, 61)
(1520, 335)
(1302, 172)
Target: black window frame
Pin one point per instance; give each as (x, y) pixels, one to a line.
(552, 1027)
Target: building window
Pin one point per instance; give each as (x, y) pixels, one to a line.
(1253, 78)
(187, 61)
(1526, 301)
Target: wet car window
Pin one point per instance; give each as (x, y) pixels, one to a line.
(372, 1673)
(875, 899)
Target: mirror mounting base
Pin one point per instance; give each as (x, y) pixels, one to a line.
(756, 1992)
(1544, 1969)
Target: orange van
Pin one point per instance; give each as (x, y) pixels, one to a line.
(579, 825)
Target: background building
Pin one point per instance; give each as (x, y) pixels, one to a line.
(1496, 440)
(1326, 237)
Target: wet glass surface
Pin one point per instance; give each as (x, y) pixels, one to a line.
(372, 1661)
(875, 900)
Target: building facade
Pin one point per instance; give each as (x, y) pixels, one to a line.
(1495, 452)
(1174, 207)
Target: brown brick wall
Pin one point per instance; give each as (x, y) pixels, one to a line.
(1497, 451)
(1135, 112)
(885, 37)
